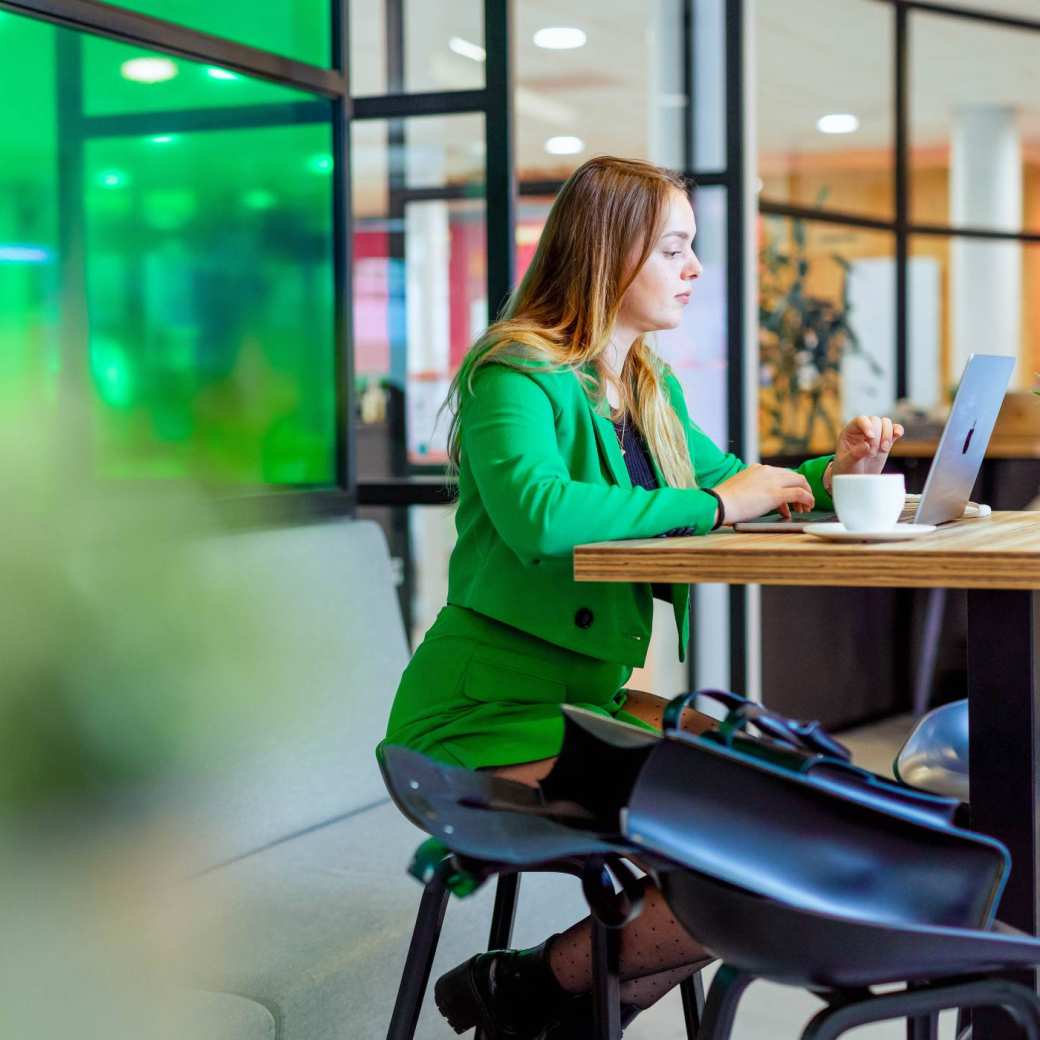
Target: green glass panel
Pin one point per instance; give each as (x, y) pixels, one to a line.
(298, 29)
(205, 274)
(118, 78)
(209, 286)
(29, 283)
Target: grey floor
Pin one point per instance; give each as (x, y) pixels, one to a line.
(768, 1013)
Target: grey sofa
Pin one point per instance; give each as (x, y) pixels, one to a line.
(301, 906)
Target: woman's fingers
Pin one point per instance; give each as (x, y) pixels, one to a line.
(886, 434)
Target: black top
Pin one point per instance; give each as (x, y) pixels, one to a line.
(637, 460)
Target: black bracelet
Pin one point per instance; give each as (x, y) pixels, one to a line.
(721, 518)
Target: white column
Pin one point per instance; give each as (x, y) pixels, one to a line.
(986, 275)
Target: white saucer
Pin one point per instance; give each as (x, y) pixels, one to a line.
(836, 532)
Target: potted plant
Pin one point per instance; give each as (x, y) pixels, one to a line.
(803, 338)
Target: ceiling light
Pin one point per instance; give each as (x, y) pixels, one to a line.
(320, 163)
(467, 49)
(559, 38)
(112, 179)
(148, 70)
(259, 199)
(564, 145)
(16, 254)
(838, 123)
(161, 139)
(215, 72)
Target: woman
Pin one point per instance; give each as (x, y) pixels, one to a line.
(567, 428)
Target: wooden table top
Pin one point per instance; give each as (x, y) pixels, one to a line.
(1001, 551)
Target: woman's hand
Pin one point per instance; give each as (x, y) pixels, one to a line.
(864, 444)
(763, 489)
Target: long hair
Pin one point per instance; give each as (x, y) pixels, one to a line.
(564, 308)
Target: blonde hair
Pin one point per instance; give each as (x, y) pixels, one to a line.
(565, 306)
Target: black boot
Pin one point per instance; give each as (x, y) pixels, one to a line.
(509, 994)
(574, 1020)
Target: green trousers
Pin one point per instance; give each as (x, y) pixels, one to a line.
(479, 693)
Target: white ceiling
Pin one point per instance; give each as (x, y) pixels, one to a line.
(621, 92)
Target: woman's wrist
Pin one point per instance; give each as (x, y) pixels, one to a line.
(720, 509)
(828, 478)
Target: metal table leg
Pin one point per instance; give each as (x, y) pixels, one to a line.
(1004, 709)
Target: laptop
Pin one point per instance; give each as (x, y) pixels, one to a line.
(957, 461)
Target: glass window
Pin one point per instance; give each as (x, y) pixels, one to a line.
(708, 114)
(826, 331)
(119, 78)
(443, 46)
(824, 104)
(206, 264)
(611, 85)
(420, 280)
(968, 294)
(30, 341)
(974, 124)
(698, 351)
(298, 29)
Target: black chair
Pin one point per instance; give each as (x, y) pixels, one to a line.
(487, 827)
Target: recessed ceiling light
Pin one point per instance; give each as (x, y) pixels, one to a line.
(559, 38)
(467, 49)
(161, 139)
(564, 145)
(259, 199)
(112, 179)
(320, 164)
(148, 70)
(215, 72)
(838, 123)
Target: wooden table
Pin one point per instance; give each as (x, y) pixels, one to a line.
(997, 560)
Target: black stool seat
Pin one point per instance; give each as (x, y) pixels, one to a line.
(756, 934)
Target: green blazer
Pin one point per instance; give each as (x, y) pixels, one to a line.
(541, 471)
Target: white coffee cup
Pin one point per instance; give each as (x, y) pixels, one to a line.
(869, 501)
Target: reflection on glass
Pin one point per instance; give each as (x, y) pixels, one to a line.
(420, 280)
(620, 93)
(972, 295)
(698, 350)
(207, 268)
(30, 354)
(837, 63)
(298, 29)
(209, 285)
(120, 78)
(443, 47)
(975, 124)
(826, 331)
(709, 85)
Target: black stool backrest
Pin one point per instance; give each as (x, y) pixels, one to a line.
(789, 838)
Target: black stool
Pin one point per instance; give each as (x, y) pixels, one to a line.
(597, 876)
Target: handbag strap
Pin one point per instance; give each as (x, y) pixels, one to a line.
(807, 736)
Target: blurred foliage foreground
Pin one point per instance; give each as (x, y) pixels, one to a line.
(127, 660)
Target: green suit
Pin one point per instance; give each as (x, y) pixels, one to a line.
(541, 472)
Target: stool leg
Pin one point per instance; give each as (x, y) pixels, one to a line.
(692, 991)
(502, 918)
(606, 985)
(720, 1009)
(419, 961)
(504, 914)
